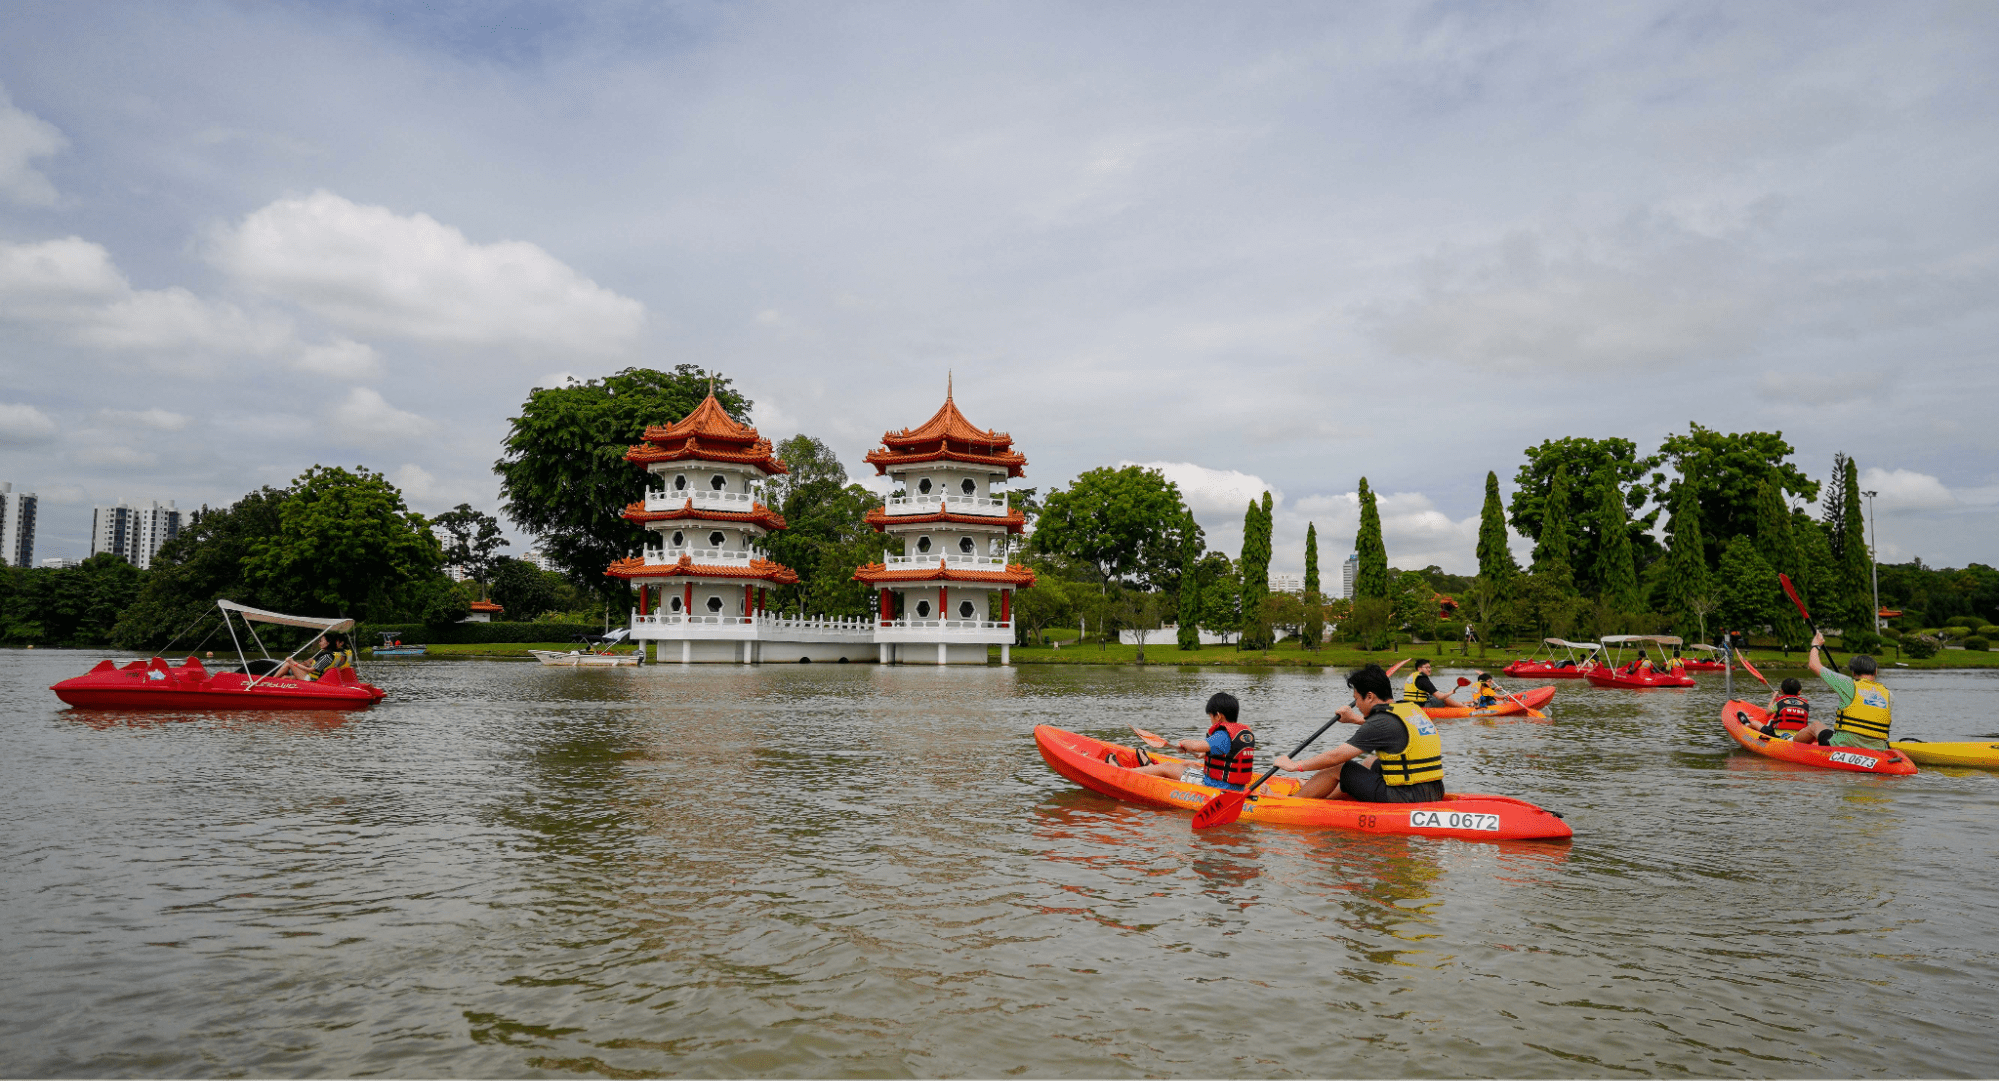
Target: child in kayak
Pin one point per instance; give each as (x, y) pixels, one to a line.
(1395, 757)
(1229, 751)
(1787, 705)
(1487, 694)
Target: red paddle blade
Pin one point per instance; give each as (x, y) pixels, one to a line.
(1223, 809)
(1751, 669)
(1791, 591)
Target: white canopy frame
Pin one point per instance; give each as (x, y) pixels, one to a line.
(260, 615)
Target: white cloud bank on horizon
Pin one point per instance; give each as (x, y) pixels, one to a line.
(23, 138)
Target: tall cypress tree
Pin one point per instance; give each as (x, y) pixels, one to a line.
(1371, 576)
(1616, 568)
(1692, 588)
(1555, 546)
(1778, 546)
(1856, 563)
(1256, 527)
(1495, 559)
(1315, 624)
(1190, 601)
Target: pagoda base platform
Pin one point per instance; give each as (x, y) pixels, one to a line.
(765, 639)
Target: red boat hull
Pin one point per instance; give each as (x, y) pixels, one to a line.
(1542, 670)
(154, 685)
(1634, 681)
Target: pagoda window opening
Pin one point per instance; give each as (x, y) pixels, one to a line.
(679, 539)
(923, 544)
(966, 545)
(923, 486)
(680, 482)
(969, 486)
(923, 609)
(714, 604)
(718, 482)
(965, 610)
(674, 604)
(715, 539)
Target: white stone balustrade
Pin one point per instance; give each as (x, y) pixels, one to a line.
(667, 557)
(736, 502)
(957, 504)
(952, 559)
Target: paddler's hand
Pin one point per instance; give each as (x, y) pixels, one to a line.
(1349, 714)
(1284, 762)
(1818, 639)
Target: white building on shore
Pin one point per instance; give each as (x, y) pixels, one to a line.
(947, 595)
(17, 526)
(134, 532)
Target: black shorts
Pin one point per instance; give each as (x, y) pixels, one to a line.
(1364, 784)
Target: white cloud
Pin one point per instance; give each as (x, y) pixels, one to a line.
(23, 138)
(22, 424)
(341, 358)
(157, 419)
(1906, 490)
(95, 453)
(416, 482)
(365, 415)
(372, 271)
(72, 285)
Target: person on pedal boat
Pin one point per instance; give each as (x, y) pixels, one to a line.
(334, 652)
(1396, 756)
(1864, 704)
(1229, 751)
(1787, 705)
(1419, 690)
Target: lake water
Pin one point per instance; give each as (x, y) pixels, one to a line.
(834, 870)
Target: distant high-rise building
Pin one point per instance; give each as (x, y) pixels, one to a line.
(1287, 582)
(1347, 573)
(17, 526)
(134, 532)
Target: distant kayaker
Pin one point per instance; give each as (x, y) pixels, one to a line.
(1229, 750)
(1864, 704)
(1396, 756)
(1788, 705)
(1486, 694)
(1420, 691)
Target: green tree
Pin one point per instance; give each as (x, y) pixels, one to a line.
(201, 565)
(475, 541)
(827, 535)
(1616, 571)
(1255, 566)
(1689, 586)
(1047, 605)
(1589, 464)
(1748, 587)
(1130, 524)
(1315, 601)
(1414, 603)
(1495, 558)
(1369, 621)
(345, 545)
(523, 589)
(1730, 467)
(1778, 546)
(1822, 576)
(1221, 594)
(1555, 543)
(1371, 577)
(1849, 541)
(563, 473)
(67, 606)
(1546, 600)
(1190, 601)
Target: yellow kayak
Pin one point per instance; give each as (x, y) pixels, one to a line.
(1983, 755)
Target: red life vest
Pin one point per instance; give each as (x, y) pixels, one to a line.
(1239, 765)
(1791, 708)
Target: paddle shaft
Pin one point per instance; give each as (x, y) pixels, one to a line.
(1295, 752)
(1792, 592)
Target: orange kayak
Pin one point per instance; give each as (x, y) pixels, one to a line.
(1107, 768)
(1779, 747)
(1507, 707)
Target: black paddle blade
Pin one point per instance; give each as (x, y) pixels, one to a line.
(1223, 809)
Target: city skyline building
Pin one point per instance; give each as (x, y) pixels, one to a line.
(135, 533)
(1348, 571)
(17, 526)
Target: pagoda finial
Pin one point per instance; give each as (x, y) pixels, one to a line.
(711, 384)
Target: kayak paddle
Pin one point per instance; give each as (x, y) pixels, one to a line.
(1752, 669)
(1792, 591)
(1226, 806)
(1152, 739)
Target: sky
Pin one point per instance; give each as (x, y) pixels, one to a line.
(1258, 247)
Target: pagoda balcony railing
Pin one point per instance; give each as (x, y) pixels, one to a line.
(666, 557)
(930, 504)
(669, 499)
(950, 559)
(697, 619)
(933, 630)
(766, 626)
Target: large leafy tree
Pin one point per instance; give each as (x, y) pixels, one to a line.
(563, 472)
(1221, 593)
(1495, 559)
(1588, 464)
(827, 534)
(1370, 580)
(1748, 587)
(1729, 467)
(1130, 524)
(524, 589)
(345, 545)
(72, 606)
(475, 541)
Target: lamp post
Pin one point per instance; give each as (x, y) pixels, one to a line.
(1873, 564)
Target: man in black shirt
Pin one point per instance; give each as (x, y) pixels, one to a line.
(1378, 763)
(1420, 690)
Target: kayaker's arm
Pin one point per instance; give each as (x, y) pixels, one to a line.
(1340, 755)
(1812, 658)
(1192, 746)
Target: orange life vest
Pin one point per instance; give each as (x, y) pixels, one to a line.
(1238, 767)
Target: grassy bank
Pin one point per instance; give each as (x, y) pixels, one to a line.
(1340, 656)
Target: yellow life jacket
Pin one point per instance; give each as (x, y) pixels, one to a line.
(1422, 759)
(340, 659)
(1868, 713)
(1412, 693)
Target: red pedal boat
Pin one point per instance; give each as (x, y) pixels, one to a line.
(1467, 817)
(1569, 666)
(153, 684)
(1779, 747)
(1711, 662)
(1631, 676)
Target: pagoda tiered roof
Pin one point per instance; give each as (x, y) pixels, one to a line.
(1016, 575)
(947, 436)
(758, 514)
(1013, 519)
(757, 570)
(709, 434)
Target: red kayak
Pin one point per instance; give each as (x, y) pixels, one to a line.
(1508, 706)
(1857, 759)
(1625, 677)
(1468, 817)
(154, 685)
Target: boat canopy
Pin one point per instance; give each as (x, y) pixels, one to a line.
(1705, 648)
(336, 623)
(1660, 639)
(1570, 645)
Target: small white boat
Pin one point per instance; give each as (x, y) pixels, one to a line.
(599, 658)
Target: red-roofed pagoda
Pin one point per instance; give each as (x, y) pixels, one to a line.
(703, 580)
(952, 585)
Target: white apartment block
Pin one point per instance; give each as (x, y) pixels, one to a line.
(17, 526)
(134, 532)
(1286, 582)
(1348, 571)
